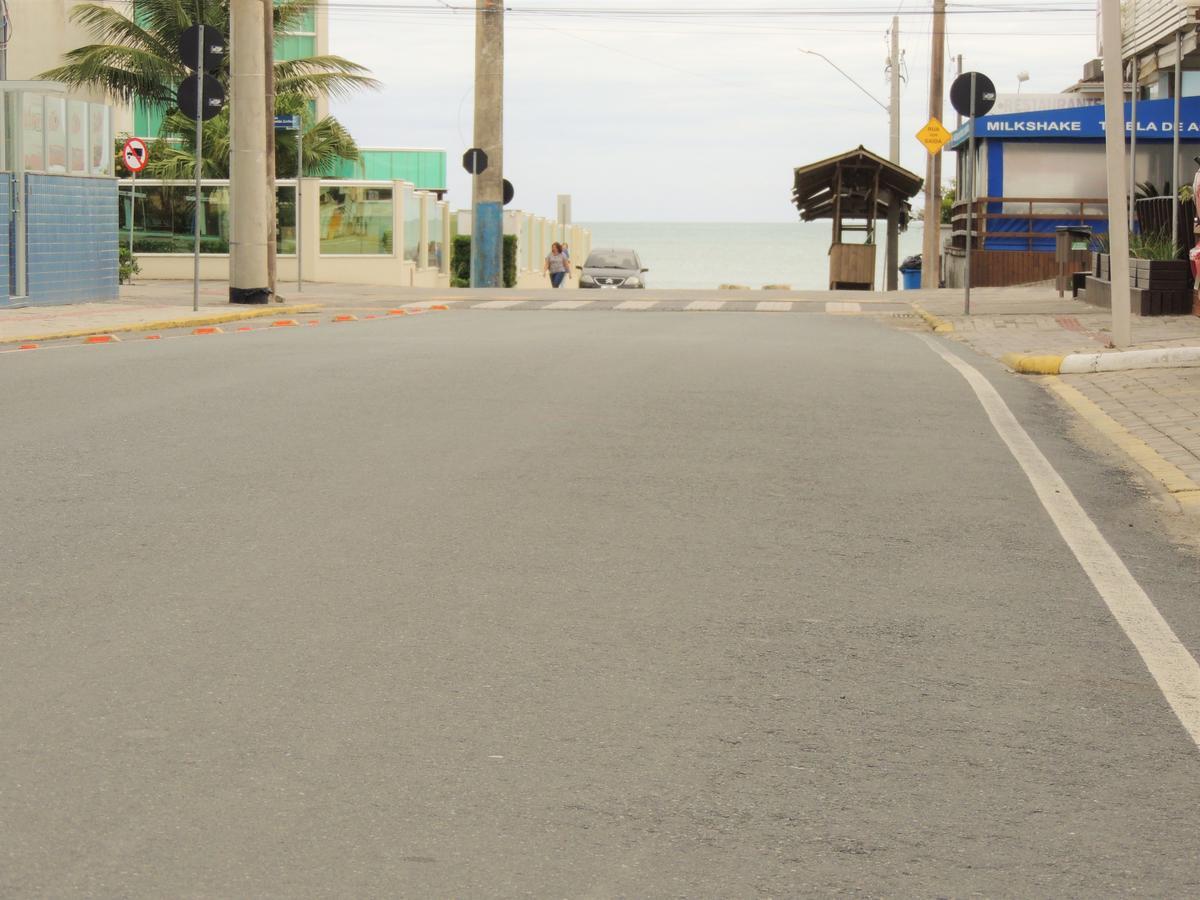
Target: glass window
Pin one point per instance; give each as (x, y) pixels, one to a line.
(101, 156)
(147, 119)
(295, 46)
(1191, 83)
(33, 132)
(285, 212)
(163, 219)
(77, 137)
(356, 219)
(437, 247)
(412, 225)
(56, 134)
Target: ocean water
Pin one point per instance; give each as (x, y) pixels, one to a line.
(706, 255)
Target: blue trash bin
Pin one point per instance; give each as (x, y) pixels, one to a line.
(911, 279)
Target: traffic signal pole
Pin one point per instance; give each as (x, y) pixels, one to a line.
(248, 184)
(487, 220)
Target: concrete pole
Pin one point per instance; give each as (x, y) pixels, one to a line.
(487, 221)
(1114, 148)
(893, 216)
(931, 259)
(894, 106)
(1175, 141)
(269, 72)
(248, 187)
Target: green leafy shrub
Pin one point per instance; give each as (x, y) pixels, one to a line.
(127, 264)
(460, 261)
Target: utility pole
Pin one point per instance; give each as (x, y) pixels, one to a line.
(894, 107)
(893, 220)
(1114, 155)
(248, 277)
(487, 220)
(269, 72)
(931, 261)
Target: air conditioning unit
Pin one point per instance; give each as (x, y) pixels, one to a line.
(1093, 70)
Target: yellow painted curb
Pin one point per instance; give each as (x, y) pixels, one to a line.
(1182, 488)
(938, 324)
(1032, 365)
(163, 324)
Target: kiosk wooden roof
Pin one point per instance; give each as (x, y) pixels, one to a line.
(856, 184)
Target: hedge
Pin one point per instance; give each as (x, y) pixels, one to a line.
(460, 261)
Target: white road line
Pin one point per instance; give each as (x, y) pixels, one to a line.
(496, 304)
(436, 301)
(774, 306)
(567, 304)
(1173, 668)
(636, 304)
(838, 307)
(706, 305)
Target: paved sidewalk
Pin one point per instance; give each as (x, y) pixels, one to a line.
(1158, 409)
(44, 323)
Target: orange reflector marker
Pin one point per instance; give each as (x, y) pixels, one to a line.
(416, 310)
(283, 323)
(28, 347)
(345, 318)
(246, 328)
(207, 329)
(439, 306)
(100, 339)
(397, 312)
(154, 337)
(370, 317)
(314, 321)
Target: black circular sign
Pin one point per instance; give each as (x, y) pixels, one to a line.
(214, 48)
(509, 193)
(214, 97)
(475, 161)
(984, 94)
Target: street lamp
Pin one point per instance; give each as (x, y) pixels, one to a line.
(1022, 77)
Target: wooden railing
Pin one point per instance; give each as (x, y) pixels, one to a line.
(1076, 212)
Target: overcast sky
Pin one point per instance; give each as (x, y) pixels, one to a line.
(642, 114)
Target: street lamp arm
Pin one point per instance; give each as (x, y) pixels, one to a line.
(874, 99)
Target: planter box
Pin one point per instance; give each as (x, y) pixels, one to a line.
(1142, 301)
(1160, 274)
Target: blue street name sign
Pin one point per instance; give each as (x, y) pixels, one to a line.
(287, 123)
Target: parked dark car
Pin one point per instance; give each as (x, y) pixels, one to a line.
(612, 268)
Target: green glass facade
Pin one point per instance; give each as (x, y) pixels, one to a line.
(424, 168)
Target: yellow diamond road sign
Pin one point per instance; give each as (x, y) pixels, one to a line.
(934, 136)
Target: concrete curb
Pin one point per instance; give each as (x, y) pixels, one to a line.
(1163, 358)
(161, 324)
(938, 324)
(1090, 363)
(1181, 488)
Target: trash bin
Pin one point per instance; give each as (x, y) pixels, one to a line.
(910, 273)
(1068, 239)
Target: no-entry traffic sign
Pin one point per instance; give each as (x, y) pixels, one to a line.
(475, 161)
(134, 155)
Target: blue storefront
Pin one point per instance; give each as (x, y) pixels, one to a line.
(1044, 168)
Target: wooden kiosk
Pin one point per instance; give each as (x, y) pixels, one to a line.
(855, 190)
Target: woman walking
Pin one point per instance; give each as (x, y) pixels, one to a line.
(558, 264)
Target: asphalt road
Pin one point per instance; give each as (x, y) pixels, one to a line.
(475, 604)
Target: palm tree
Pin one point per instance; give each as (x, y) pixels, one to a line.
(136, 58)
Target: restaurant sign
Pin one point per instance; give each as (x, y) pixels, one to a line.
(1154, 123)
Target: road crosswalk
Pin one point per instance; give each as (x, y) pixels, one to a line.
(683, 304)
